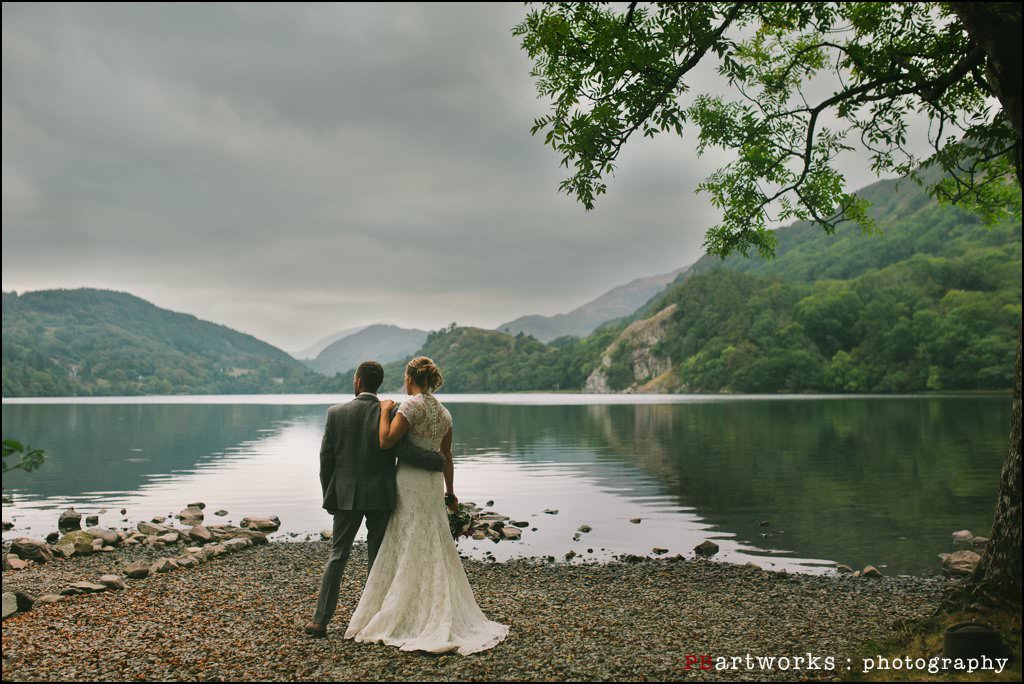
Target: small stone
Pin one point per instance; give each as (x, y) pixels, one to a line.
(16, 563)
(137, 570)
(151, 529)
(107, 535)
(479, 534)
(187, 562)
(200, 534)
(92, 520)
(113, 582)
(199, 504)
(961, 562)
(635, 521)
(124, 511)
(521, 523)
(89, 587)
(221, 512)
(236, 544)
(168, 538)
(870, 571)
(326, 534)
(25, 601)
(585, 528)
(511, 532)
(64, 550)
(191, 516)
(570, 555)
(8, 525)
(49, 598)
(845, 569)
(658, 551)
(10, 604)
(551, 511)
(489, 504)
(270, 524)
(162, 565)
(963, 536)
(159, 519)
(97, 544)
(764, 523)
(69, 520)
(706, 548)
(979, 541)
(53, 538)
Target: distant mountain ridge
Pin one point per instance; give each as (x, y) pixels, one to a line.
(381, 343)
(313, 350)
(615, 303)
(88, 341)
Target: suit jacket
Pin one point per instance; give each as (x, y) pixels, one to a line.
(355, 473)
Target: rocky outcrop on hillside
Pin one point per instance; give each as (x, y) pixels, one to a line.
(632, 364)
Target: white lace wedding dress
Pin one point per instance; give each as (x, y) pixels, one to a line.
(417, 596)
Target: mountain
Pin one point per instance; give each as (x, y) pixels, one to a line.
(934, 302)
(381, 343)
(581, 321)
(86, 341)
(314, 349)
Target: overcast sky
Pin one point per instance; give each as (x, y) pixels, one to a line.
(293, 170)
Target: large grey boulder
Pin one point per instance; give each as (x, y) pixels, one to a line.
(81, 540)
(960, 562)
(69, 520)
(10, 604)
(108, 536)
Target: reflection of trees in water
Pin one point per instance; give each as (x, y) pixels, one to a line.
(90, 447)
(844, 478)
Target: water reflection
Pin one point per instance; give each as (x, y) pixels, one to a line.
(880, 481)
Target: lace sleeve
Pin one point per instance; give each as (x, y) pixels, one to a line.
(411, 409)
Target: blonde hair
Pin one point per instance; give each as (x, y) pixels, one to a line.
(424, 374)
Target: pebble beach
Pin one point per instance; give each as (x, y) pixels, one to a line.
(239, 617)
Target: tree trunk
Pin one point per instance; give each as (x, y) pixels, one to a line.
(996, 27)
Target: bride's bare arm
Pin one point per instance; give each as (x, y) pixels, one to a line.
(391, 430)
(449, 467)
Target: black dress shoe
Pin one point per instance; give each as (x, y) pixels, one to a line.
(319, 631)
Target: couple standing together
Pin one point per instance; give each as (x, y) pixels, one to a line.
(417, 596)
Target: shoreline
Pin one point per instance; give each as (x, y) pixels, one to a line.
(239, 617)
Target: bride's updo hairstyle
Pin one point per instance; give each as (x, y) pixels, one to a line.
(424, 374)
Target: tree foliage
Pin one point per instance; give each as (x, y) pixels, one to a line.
(612, 72)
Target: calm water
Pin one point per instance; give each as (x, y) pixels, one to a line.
(853, 480)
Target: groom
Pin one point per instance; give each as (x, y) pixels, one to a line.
(358, 479)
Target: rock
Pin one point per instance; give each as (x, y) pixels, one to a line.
(752, 564)
(551, 511)
(49, 598)
(69, 520)
(97, 544)
(30, 549)
(963, 536)
(236, 544)
(107, 549)
(10, 604)
(137, 570)
(635, 521)
(124, 511)
(187, 562)
(326, 534)
(870, 571)
(8, 525)
(845, 569)
(64, 550)
(856, 573)
(159, 519)
(960, 562)
(162, 565)
(92, 520)
(199, 504)
(479, 534)
(200, 534)
(585, 528)
(15, 563)
(521, 523)
(706, 548)
(270, 524)
(25, 601)
(658, 551)
(221, 512)
(489, 504)
(493, 535)
(113, 582)
(979, 541)
(107, 535)
(151, 529)
(511, 532)
(169, 538)
(764, 523)
(53, 538)
(102, 511)
(190, 516)
(570, 555)
(88, 587)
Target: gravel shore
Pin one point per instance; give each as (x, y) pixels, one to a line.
(239, 618)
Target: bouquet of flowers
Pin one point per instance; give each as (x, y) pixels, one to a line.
(460, 522)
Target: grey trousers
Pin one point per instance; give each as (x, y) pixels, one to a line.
(346, 524)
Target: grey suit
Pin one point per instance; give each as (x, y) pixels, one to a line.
(358, 479)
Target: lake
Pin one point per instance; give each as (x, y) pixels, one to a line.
(796, 482)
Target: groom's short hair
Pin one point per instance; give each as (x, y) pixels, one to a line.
(371, 375)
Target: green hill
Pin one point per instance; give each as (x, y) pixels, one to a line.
(85, 342)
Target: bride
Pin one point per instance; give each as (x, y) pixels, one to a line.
(417, 596)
